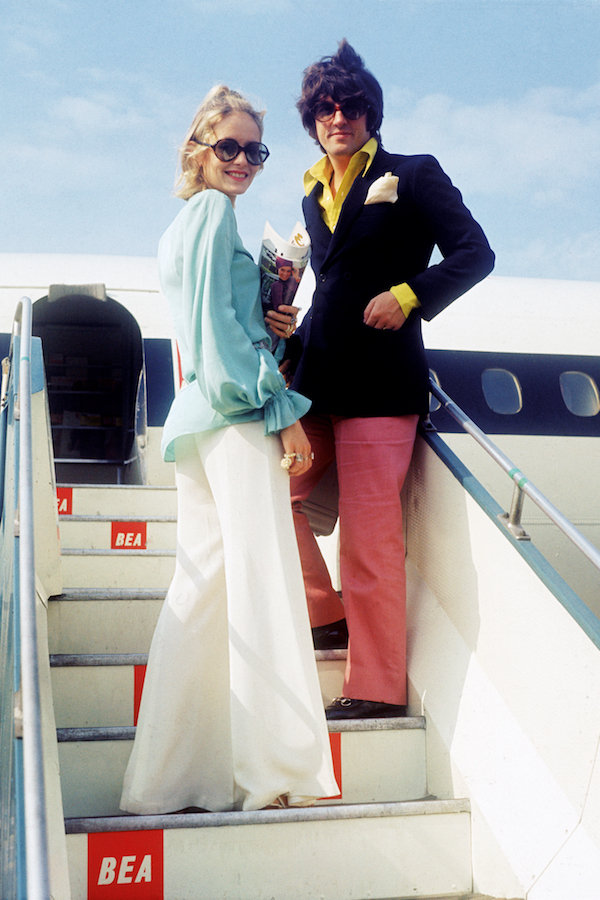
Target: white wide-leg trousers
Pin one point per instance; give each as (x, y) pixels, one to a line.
(231, 714)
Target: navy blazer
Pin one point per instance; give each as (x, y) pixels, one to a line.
(345, 367)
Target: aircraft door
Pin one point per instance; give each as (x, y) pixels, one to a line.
(94, 360)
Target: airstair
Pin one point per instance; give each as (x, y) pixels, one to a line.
(383, 837)
(491, 786)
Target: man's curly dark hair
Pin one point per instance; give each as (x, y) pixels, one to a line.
(340, 77)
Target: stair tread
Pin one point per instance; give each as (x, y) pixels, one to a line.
(108, 593)
(102, 517)
(430, 806)
(105, 551)
(58, 660)
(76, 485)
(89, 733)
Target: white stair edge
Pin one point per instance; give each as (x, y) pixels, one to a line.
(431, 807)
(73, 660)
(90, 733)
(76, 485)
(109, 594)
(82, 551)
(89, 517)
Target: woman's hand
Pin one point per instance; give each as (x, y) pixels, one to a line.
(282, 320)
(294, 441)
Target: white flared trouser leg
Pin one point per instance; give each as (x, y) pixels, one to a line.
(231, 714)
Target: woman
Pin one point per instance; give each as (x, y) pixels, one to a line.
(231, 714)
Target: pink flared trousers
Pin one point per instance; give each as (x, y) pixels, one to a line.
(372, 457)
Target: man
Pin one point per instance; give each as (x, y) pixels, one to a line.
(373, 219)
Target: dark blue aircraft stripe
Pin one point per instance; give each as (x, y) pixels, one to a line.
(543, 409)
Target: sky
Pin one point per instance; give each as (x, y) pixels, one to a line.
(95, 98)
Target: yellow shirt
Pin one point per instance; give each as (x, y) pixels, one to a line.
(331, 206)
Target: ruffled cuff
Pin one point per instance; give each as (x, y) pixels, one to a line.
(283, 409)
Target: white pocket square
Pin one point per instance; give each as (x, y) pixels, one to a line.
(384, 190)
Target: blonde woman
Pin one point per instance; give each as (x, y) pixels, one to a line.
(231, 714)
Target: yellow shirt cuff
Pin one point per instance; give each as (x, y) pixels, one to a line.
(406, 297)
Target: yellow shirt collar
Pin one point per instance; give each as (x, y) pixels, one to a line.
(322, 170)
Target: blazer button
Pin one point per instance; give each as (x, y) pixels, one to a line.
(322, 277)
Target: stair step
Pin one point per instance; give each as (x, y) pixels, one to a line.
(376, 760)
(104, 689)
(118, 568)
(380, 850)
(117, 500)
(113, 620)
(118, 532)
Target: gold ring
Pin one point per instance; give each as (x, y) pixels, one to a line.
(288, 460)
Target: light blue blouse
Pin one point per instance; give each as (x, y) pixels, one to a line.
(212, 285)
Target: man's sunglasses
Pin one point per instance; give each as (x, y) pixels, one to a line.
(228, 149)
(351, 109)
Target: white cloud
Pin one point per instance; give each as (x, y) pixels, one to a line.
(546, 143)
(573, 257)
(59, 170)
(97, 113)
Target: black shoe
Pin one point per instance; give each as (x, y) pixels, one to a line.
(345, 708)
(333, 636)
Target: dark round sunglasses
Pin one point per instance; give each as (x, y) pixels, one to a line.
(351, 109)
(228, 149)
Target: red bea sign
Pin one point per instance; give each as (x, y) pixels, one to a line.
(335, 739)
(126, 865)
(128, 536)
(64, 500)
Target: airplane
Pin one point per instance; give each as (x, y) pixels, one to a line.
(491, 785)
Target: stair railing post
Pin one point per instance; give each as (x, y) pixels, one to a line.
(512, 519)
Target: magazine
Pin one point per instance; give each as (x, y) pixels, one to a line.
(282, 264)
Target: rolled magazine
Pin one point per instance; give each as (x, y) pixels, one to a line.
(282, 264)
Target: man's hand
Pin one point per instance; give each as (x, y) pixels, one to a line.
(285, 369)
(384, 312)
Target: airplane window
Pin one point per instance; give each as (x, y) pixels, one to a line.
(502, 391)
(434, 403)
(580, 393)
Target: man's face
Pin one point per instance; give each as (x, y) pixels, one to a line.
(342, 137)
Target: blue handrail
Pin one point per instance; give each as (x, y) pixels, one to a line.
(24, 821)
(523, 486)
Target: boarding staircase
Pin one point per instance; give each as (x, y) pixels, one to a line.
(383, 837)
(479, 599)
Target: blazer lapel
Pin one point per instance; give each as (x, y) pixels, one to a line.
(313, 217)
(355, 201)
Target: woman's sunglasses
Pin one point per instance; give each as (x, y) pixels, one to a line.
(228, 149)
(351, 109)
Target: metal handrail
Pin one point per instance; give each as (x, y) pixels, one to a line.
(523, 486)
(28, 704)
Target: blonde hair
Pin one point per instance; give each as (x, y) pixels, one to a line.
(218, 103)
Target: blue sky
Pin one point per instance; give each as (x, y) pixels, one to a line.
(95, 97)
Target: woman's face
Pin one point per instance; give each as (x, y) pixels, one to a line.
(235, 177)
